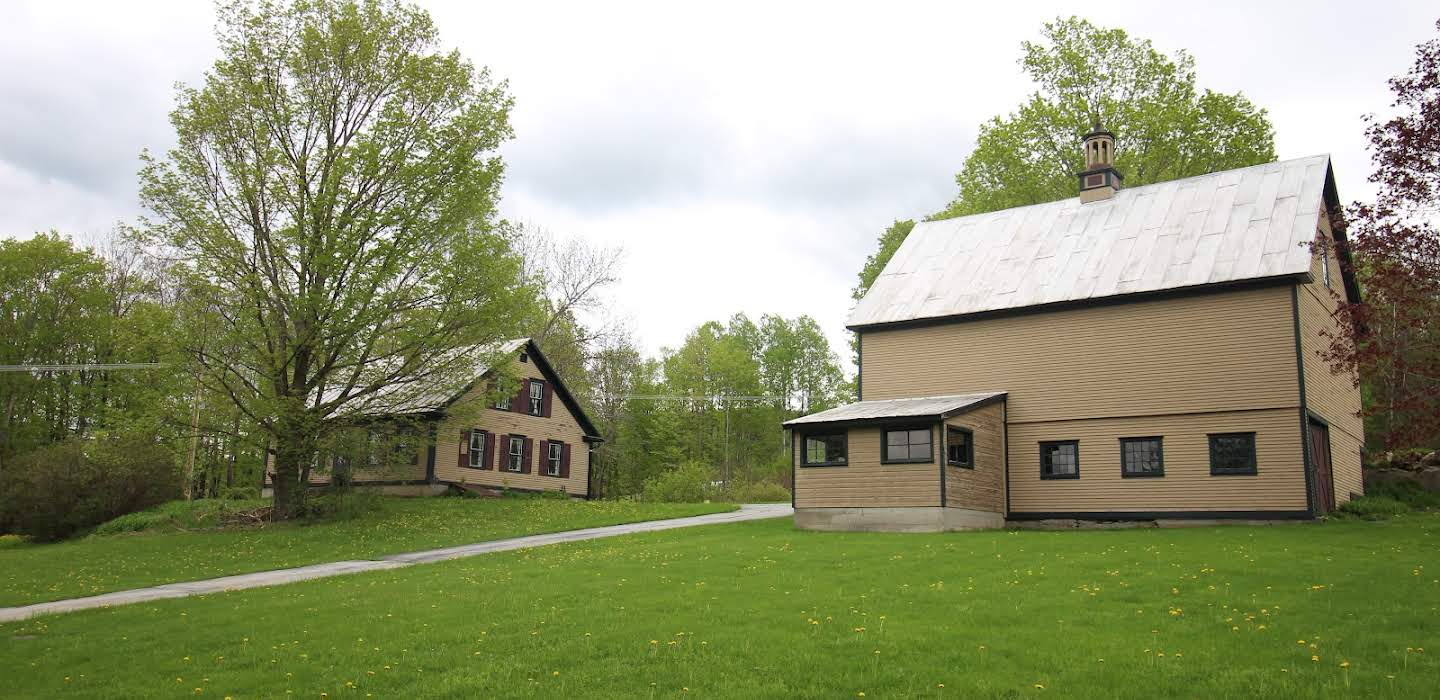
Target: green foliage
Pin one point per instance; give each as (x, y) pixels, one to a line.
(343, 504)
(889, 242)
(1408, 492)
(690, 482)
(759, 610)
(240, 493)
(337, 177)
(180, 515)
(32, 573)
(757, 492)
(1374, 508)
(65, 488)
(1165, 127)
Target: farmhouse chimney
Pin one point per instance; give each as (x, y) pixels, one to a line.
(1099, 180)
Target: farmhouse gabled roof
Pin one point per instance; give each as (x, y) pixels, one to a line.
(930, 407)
(429, 396)
(1229, 227)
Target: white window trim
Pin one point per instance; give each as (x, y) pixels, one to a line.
(537, 402)
(553, 460)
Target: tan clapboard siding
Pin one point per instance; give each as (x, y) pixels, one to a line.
(1232, 350)
(473, 412)
(1332, 396)
(1345, 461)
(865, 482)
(1187, 484)
(981, 488)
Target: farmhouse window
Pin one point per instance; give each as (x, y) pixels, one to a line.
(516, 453)
(827, 450)
(1060, 459)
(903, 445)
(503, 404)
(557, 452)
(1232, 453)
(1142, 457)
(477, 449)
(537, 397)
(959, 447)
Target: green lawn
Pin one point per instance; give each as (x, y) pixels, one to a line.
(36, 573)
(762, 610)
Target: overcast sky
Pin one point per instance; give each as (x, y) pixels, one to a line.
(744, 157)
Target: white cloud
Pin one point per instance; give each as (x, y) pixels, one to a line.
(745, 155)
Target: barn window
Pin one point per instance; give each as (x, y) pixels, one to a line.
(1060, 459)
(903, 445)
(827, 450)
(1142, 457)
(959, 447)
(1232, 453)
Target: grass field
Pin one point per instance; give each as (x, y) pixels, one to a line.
(32, 573)
(763, 610)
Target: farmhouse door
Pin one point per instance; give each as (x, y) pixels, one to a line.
(1324, 478)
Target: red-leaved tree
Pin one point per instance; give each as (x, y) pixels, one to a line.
(1391, 338)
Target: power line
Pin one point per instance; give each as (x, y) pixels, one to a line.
(81, 367)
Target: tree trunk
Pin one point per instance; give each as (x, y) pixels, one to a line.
(292, 453)
(234, 445)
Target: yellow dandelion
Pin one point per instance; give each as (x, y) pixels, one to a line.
(1039, 686)
(1344, 664)
(1314, 657)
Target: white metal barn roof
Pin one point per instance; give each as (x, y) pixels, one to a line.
(1223, 227)
(922, 407)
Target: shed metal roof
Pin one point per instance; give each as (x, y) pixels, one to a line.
(1224, 227)
(921, 407)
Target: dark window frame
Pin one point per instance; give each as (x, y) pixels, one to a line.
(537, 403)
(477, 454)
(515, 463)
(1125, 472)
(1045, 462)
(1250, 469)
(969, 461)
(555, 455)
(885, 444)
(503, 404)
(844, 461)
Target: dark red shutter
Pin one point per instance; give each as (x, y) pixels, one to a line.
(521, 404)
(526, 456)
(464, 449)
(565, 460)
(488, 459)
(545, 405)
(503, 450)
(544, 464)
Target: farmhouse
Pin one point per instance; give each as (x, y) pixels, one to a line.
(539, 439)
(1144, 353)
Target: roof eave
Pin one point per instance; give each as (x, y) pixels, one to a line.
(1111, 300)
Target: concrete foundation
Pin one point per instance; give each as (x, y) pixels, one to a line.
(918, 519)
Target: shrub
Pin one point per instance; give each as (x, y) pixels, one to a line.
(179, 515)
(688, 483)
(346, 504)
(1374, 508)
(759, 492)
(240, 493)
(1407, 492)
(65, 488)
